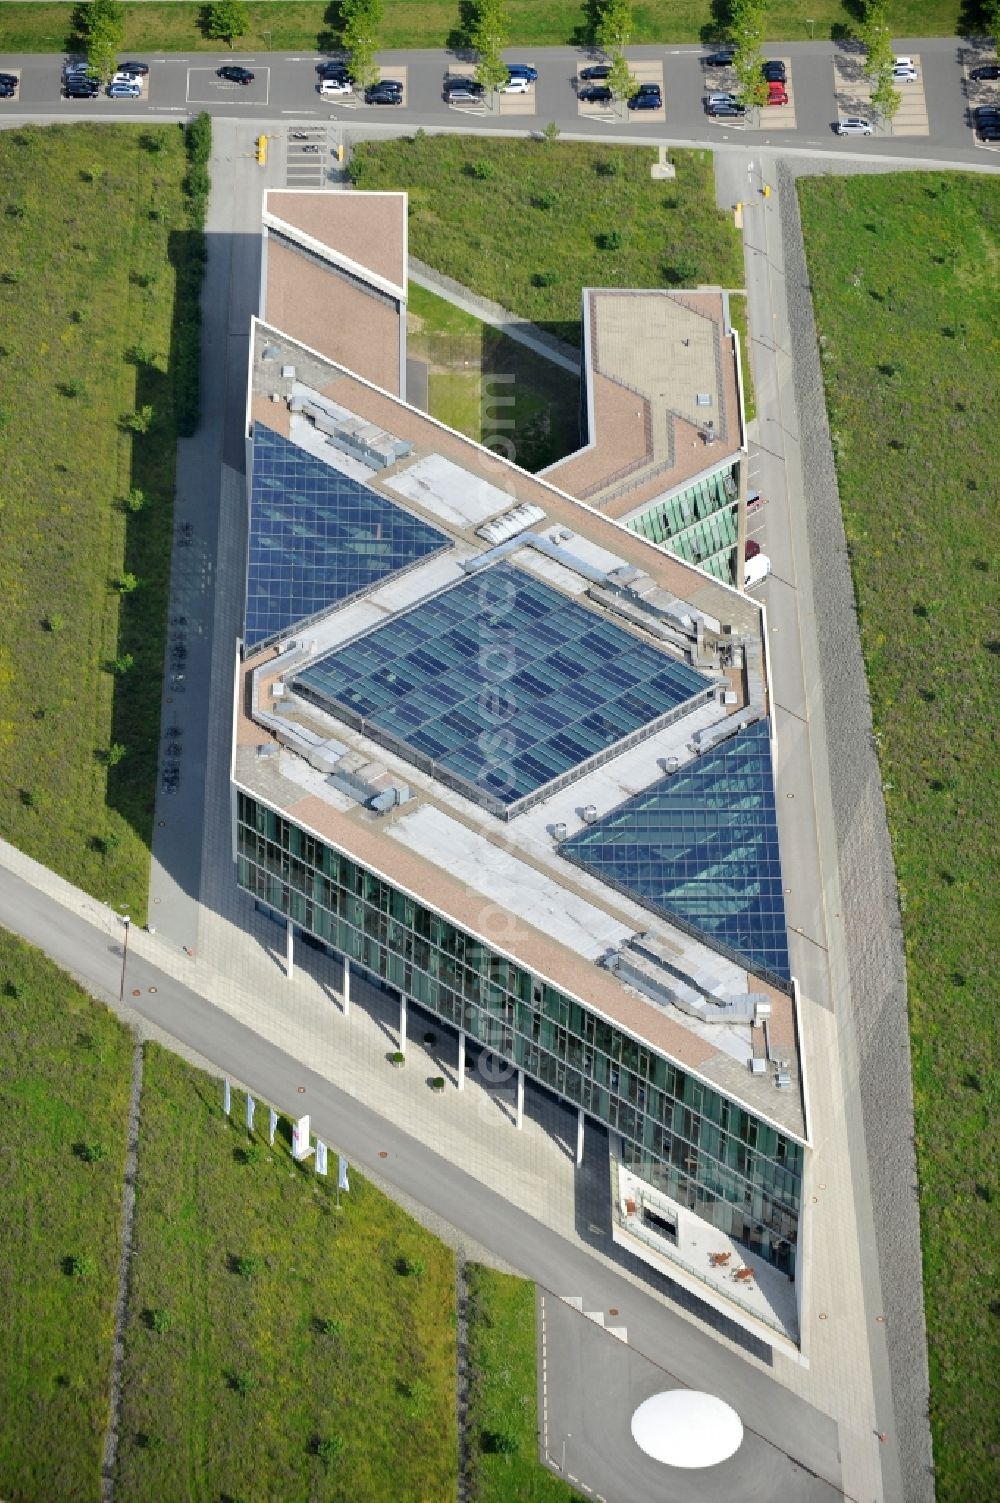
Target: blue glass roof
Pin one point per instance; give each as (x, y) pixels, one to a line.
(701, 847)
(501, 685)
(318, 537)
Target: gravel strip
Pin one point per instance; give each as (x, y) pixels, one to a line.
(124, 1262)
(873, 930)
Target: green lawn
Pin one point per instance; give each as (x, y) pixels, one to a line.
(234, 1398)
(904, 270)
(490, 387)
(95, 232)
(503, 1405)
(738, 314)
(65, 1067)
(565, 197)
(287, 24)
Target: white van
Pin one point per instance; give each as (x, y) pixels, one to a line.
(756, 570)
(328, 87)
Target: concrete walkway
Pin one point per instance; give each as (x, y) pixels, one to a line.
(519, 329)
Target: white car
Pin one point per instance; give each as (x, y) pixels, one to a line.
(756, 570)
(903, 62)
(853, 125)
(905, 75)
(328, 86)
(516, 86)
(127, 77)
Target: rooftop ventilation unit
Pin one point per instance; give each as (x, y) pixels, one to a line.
(270, 352)
(510, 523)
(288, 372)
(708, 432)
(589, 814)
(758, 1065)
(559, 832)
(703, 399)
(783, 1080)
(266, 749)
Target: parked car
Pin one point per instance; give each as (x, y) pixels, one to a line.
(774, 71)
(646, 97)
(522, 70)
(725, 110)
(596, 72)
(463, 90)
(903, 62)
(904, 75)
(389, 91)
(516, 85)
(122, 77)
(8, 78)
(990, 132)
(76, 70)
(752, 549)
(986, 114)
(129, 90)
(853, 125)
(234, 74)
(720, 58)
(987, 72)
(138, 70)
(8, 90)
(82, 88)
(596, 94)
(335, 67)
(332, 86)
(777, 94)
(724, 97)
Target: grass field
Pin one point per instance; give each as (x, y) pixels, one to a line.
(503, 1405)
(94, 232)
(236, 1398)
(65, 1066)
(567, 197)
(285, 24)
(491, 388)
(904, 271)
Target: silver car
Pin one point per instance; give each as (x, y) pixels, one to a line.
(853, 125)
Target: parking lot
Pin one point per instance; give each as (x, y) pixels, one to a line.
(853, 88)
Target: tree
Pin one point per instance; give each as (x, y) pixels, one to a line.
(360, 21)
(102, 25)
(886, 98)
(613, 31)
(877, 38)
(621, 82)
(227, 20)
(748, 18)
(489, 35)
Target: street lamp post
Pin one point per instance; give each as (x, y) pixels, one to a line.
(812, 28)
(121, 990)
(562, 1467)
(268, 35)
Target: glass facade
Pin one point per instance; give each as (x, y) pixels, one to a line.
(699, 524)
(701, 847)
(728, 1166)
(317, 538)
(501, 685)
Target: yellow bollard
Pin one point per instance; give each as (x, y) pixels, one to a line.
(262, 150)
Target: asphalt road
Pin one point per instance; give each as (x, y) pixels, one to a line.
(285, 86)
(791, 1433)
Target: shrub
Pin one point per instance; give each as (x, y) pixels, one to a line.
(242, 1383)
(246, 1265)
(328, 1449)
(482, 169)
(127, 583)
(159, 1320)
(91, 1153)
(123, 663)
(54, 623)
(611, 240)
(251, 1154)
(545, 279)
(80, 1266)
(328, 1327)
(550, 132)
(116, 753)
(499, 1442)
(135, 500)
(198, 139)
(398, 1057)
(410, 1268)
(138, 420)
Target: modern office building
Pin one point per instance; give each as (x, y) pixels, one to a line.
(496, 750)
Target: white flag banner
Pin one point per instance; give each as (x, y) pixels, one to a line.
(320, 1157)
(251, 1106)
(342, 1173)
(300, 1139)
(272, 1127)
(226, 1099)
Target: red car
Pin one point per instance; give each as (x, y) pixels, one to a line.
(752, 550)
(777, 93)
